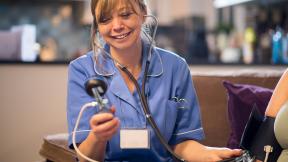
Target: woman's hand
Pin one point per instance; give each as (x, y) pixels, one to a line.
(193, 151)
(221, 153)
(104, 125)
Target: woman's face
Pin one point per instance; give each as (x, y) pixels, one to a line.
(121, 27)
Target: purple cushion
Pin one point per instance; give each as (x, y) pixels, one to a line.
(241, 98)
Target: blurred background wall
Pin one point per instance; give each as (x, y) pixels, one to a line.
(32, 105)
(210, 31)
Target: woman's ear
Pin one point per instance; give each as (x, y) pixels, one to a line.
(145, 11)
(144, 15)
(144, 18)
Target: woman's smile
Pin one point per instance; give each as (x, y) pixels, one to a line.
(121, 36)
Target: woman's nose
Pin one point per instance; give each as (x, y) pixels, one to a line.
(117, 24)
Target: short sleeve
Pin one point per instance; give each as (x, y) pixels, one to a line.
(188, 122)
(76, 98)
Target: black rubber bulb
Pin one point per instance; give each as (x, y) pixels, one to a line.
(97, 84)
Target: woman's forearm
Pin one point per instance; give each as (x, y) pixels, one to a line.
(193, 151)
(92, 148)
(190, 150)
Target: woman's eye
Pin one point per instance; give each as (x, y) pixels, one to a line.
(126, 14)
(104, 20)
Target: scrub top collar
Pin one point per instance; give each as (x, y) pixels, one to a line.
(104, 65)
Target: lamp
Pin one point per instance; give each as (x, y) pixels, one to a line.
(281, 132)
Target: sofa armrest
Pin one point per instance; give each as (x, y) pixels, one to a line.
(55, 148)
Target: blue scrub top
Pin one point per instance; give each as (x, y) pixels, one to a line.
(170, 94)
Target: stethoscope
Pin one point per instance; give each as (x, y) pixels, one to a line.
(140, 92)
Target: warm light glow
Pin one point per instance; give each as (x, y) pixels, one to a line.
(225, 3)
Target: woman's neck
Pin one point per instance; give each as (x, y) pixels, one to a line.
(130, 58)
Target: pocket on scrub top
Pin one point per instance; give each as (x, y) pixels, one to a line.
(171, 110)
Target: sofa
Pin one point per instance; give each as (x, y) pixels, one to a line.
(212, 97)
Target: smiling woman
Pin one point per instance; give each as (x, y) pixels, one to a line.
(127, 60)
(121, 30)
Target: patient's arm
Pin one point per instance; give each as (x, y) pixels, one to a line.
(279, 97)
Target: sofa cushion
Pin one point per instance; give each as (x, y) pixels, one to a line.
(241, 99)
(212, 95)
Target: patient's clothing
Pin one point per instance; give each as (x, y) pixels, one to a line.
(170, 93)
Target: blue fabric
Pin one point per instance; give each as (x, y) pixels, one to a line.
(170, 94)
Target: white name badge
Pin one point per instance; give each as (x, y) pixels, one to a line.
(134, 139)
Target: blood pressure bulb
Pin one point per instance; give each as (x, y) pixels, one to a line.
(96, 88)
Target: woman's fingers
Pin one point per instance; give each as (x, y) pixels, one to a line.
(226, 153)
(237, 152)
(113, 109)
(110, 132)
(100, 118)
(104, 125)
(221, 153)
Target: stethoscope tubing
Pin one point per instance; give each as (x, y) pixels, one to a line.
(145, 107)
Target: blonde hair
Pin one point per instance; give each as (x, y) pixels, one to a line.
(104, 7)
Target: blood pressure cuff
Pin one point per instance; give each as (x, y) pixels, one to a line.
(259, 133)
